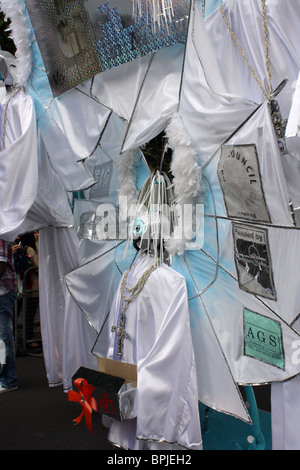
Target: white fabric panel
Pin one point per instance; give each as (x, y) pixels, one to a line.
(158, 98)
(148, 96)
(67, 337)
(258, 131)
(285, 415)
(78, 341)
(71, 128)
(51, 205)
(18, 161)
(245, 19)
(209, 112)
(217, 387)
(225, 296)
(293, 125)
(106, 86)
(93, 284)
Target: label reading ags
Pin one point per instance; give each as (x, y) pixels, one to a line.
(263, 339)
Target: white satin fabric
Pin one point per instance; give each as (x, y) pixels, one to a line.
(217, 96)
(210, 112)
(67, 337)
(293, 125)
(32, 193)
(51, 206)
(245, 19)
(158, 97)
(94, 282)
(148, 96)
(71, 127)
(160, 344)
(18, 161)
(285, 415)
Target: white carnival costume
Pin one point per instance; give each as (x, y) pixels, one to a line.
(149, 326)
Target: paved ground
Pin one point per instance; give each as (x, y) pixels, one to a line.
(37, 417)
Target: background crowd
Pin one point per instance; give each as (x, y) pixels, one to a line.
(18, 274)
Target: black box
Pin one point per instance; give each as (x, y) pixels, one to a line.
(115, 396)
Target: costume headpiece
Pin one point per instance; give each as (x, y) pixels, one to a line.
(154, 218)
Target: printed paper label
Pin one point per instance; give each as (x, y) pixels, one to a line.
(240, 180)
(253, 260)
(102, 175)
(263, 339)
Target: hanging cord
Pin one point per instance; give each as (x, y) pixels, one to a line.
(12, 95)
(266, 39)
(125, 301)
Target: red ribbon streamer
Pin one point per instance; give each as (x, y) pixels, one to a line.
(84, 397)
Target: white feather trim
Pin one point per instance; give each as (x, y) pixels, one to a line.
(127, 174)
(188, 184)
(21, 35)
(185, 167)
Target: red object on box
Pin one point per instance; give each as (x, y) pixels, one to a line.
(84, 397)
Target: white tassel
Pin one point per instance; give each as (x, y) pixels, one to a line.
(21, 35)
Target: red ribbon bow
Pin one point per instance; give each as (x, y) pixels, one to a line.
(84, 397)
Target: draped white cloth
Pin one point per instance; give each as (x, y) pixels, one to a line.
(51, 206)
(159, 343)
(67, 338)
(18, 161)
(158, 97)
(245, 19)
(285, 415)
(32, 194)
(293, 124)
(71, 128)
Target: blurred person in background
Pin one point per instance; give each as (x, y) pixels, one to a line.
(31, 283)
(8, 375)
